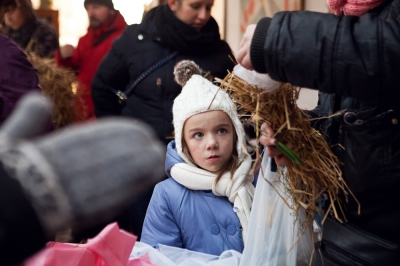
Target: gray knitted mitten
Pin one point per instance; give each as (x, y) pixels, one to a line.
(83, 175)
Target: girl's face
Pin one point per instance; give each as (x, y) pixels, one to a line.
(13, 17)
(195, 13)
(209, 138)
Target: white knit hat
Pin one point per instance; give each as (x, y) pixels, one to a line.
(199, 95)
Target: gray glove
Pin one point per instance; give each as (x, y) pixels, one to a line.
(83, 175)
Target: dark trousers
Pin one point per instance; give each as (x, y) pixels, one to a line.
(137, 212)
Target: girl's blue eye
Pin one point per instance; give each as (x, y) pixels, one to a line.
(197, 135)
(222, 131)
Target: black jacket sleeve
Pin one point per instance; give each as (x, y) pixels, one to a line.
(112, 74)
(21, 234)
(352, 56)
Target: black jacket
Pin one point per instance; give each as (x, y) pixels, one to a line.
(357, 57)
(139, 47)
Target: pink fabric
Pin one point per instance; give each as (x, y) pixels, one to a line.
(352, 7)
(111, 247)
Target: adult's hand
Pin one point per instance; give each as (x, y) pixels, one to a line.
(66, 51)
(243, 55)
(268, 140)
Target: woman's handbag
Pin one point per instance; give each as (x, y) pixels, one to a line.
(346, 244)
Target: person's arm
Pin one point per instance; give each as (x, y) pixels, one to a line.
(352, 56)
(70, 57)
(112, 74)
(159, 225)
(63, 56)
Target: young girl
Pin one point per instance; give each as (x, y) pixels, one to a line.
(205, 204)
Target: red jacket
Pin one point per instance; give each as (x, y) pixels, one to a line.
(87, 56)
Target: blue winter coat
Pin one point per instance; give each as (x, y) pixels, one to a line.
(192, 219)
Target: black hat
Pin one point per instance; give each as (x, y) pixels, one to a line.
(107, 3)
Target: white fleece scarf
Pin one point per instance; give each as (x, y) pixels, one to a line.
(239, 189)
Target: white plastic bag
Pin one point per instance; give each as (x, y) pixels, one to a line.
(172, 256)
(274, 229)
(253, 78)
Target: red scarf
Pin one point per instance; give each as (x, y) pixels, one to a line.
(105, 28)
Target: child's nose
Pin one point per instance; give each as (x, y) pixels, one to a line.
(212, 142)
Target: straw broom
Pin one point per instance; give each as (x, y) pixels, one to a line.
(319, 170)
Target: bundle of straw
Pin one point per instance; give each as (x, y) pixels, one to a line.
(319, 170)
(60, 85)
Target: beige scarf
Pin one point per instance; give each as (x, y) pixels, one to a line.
(239, 189)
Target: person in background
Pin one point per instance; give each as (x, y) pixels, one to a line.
(105, 25)
(205, 203)
(141, 63)
(17, 76)
(352, 57)
(26, 30)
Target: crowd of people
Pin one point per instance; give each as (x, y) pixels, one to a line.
(147, 90)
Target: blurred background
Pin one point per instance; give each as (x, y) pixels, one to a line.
(232, 15)
(69, 17)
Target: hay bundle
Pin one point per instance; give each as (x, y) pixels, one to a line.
(60, 85)
(319, 170)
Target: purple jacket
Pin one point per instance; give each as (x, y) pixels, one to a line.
(17, 76)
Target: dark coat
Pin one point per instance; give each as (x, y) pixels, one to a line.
(357, 57)
(139, 47)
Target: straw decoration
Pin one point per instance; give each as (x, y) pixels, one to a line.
(319, 170)
(60, 85)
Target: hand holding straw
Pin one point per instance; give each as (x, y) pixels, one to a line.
(284, 149)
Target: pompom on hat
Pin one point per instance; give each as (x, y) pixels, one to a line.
(199, 95)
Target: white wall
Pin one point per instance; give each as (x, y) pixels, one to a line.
(316, 5)
(233, 35)
(218, 12)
